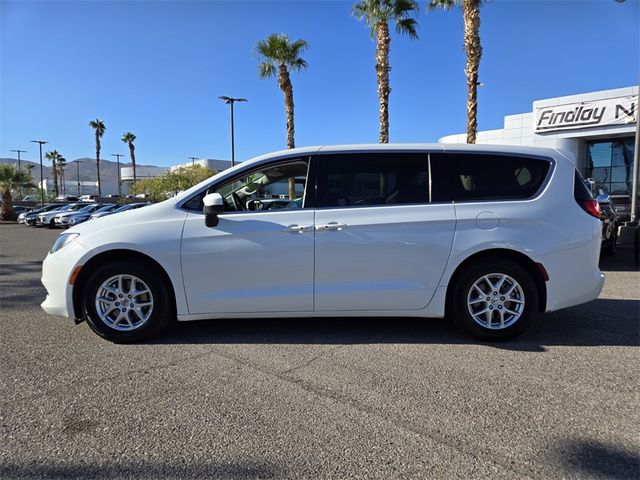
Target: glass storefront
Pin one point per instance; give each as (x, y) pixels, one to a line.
(610, 163)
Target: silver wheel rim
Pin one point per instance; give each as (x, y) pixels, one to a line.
(495, 301)
(124, 302)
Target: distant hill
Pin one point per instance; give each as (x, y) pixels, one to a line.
(87, 167)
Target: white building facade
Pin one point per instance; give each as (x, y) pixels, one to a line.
(212, 164)
(598, 128)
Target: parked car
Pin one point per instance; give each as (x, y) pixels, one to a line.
(608, 217)
(31, 198)
(123, 208)
(622, 206)
(63, 219)
(98, 213)
(47, 218)
(610, 224)
(88, 198)
(67, 198)
(483, 234)
(29, 218)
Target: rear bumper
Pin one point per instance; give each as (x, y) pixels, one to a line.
(574, 275)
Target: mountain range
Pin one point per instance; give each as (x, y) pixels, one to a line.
(86, 167)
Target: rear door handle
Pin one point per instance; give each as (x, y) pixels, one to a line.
(331, 226)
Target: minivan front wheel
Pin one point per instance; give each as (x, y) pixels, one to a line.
(125, 302)
(495, 299)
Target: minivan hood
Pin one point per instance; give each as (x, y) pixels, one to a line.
(130, 217)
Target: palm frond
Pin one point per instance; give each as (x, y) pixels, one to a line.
(298, 64)
(128, 137)
(407, 26)
(444, 4)
(267, 70)
(98, 126)
(277, 49)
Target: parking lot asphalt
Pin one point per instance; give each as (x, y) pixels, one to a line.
(316, 398)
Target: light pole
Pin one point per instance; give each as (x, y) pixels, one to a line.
(118, 155)
(19, 166)
(77, 162)
(40, 143)
(230, 101)
(193, 160)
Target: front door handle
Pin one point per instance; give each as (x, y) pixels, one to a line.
(331, 226)
(296, 228)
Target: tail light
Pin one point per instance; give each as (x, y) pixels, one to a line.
(583, 197)
(592, 207)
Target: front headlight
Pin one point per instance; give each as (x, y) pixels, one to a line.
(63, 240)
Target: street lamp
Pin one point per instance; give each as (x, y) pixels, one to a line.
(19, 167)
(230, 101)
(40, 143)
(118, 155)
(193, 160)
(77, 162)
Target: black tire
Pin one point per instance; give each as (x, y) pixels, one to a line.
(52, 224)
(161, 313)
(462, 316)
(612, 245)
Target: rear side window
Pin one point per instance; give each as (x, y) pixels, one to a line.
(494, 177)
(372, 179)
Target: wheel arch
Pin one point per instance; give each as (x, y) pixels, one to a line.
(533, 268)
(109, 255)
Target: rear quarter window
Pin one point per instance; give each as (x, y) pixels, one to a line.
(475, 176)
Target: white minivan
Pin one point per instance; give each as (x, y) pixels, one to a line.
(488, 236)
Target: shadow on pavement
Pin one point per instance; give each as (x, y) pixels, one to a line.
(178, 469)
(601, 322)
(622, 261)
(594, 459)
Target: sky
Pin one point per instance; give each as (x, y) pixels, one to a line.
(156, 68)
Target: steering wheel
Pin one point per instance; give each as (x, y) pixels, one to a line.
(255, 205)
(237, 202)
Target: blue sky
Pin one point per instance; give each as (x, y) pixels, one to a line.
(156, 68)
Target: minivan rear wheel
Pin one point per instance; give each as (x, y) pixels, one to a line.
(494, 299)
(127, 302)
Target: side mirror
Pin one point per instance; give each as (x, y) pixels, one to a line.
(603, 198)
(213, 206)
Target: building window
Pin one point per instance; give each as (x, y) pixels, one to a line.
(610, 164)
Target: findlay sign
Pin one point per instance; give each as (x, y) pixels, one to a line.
(600, 113)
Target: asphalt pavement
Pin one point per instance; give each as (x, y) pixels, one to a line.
(316, 398)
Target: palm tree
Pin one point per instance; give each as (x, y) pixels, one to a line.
(60, 164)
(473, 49)
(98, 126)
(10, 179)
(278, 54)
(129, 138)
(377, 14)
(53, 155)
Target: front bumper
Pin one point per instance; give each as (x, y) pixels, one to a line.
(56, 272)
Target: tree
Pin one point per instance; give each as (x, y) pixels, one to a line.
(172, 182)
(278, 55)
(377, 14)
(129, 138)
(10, 179)
(53, 156)
(473, 49)
(98, 126)
(61, 162)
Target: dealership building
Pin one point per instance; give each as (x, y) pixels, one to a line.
(598, 128)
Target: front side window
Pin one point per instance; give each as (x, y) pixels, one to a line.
(273, 187)
(372, 179)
